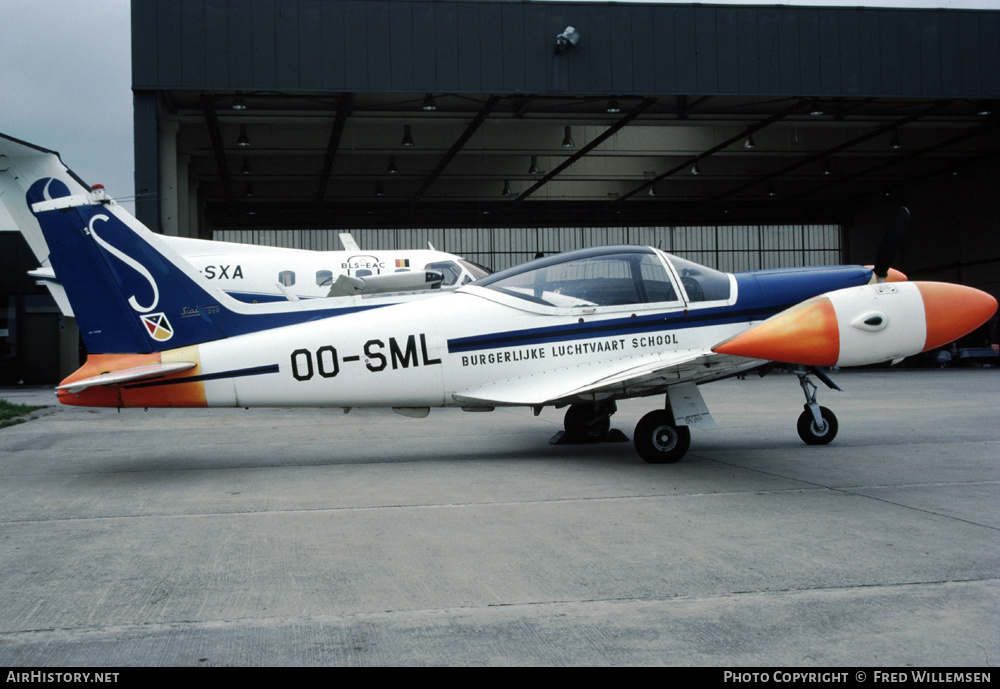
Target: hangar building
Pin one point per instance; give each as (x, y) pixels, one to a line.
(742, 137)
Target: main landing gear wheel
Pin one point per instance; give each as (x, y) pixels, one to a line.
(814, 434)
(588, 422)
(658, 440)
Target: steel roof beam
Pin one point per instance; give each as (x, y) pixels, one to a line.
(491, 103)
(613, 129)
(343, 110)
(715, 149)
(215, 134)
(879, 131)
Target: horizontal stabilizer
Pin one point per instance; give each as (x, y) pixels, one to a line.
(128, 375)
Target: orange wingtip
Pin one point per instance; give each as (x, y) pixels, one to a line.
(953, 311)
(804, 334)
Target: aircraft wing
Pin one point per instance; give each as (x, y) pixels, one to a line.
(635, 375)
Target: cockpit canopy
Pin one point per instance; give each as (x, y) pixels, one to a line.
(610, 276)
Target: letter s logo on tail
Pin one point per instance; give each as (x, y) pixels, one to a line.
(130, 262)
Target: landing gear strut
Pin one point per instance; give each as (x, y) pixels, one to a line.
(817, 425)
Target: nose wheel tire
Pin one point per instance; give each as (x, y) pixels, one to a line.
(813, 434)
(659, 441)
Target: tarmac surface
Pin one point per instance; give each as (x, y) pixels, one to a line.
(284, 537)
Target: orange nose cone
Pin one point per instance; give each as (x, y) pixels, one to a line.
(804, 334)
(953, 311)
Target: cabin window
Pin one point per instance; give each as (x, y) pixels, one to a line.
(451, 271)
(324, 278)
(287, 278)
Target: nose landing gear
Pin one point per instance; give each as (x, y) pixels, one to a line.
(817, 425)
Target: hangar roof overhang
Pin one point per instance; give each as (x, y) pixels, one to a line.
(337, 156)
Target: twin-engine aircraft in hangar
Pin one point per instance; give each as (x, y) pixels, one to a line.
(248, 272)
(581, 329)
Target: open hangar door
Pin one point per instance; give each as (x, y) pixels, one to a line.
(496, 119)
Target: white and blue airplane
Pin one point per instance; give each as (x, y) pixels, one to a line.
(248, 272)
(580, 330)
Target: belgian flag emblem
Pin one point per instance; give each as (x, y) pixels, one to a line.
(402, 263)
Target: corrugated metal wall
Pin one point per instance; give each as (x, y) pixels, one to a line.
(729, 248)
(497, 47)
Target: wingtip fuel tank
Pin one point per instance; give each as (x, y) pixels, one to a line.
(865, 325)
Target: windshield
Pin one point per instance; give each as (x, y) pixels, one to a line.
(593, 279)
(701, 283)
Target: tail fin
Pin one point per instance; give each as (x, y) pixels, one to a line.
(22, 163)
(130, 292)
(113, 276)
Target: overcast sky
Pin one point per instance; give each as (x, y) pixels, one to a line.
(66, 77)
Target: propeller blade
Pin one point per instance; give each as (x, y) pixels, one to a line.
(890, 243)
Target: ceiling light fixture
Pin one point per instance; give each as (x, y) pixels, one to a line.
(506, 189)
(392, 169)
(429, 104)
(568, 138)
(749, 143)
(534, 170)
(894, 144)
(613, 106)
(379, 191)
(243, 141)
(407, 137)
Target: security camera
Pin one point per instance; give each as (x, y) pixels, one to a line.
(567, 39)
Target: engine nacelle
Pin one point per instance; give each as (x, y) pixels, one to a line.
(865, 325)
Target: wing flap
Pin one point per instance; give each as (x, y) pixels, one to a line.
(592, 378)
